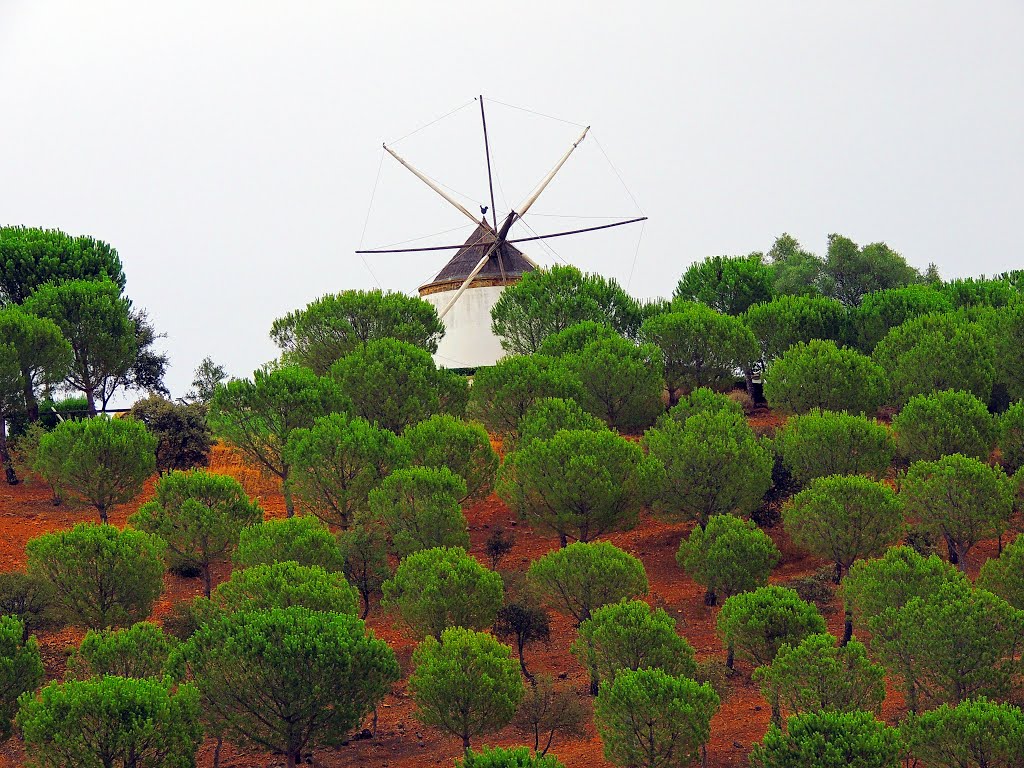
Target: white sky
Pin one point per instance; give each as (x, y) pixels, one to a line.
(228, 150)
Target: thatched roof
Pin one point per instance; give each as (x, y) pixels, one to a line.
(506, 261)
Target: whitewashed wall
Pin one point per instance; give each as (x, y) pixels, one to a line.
(468, 341)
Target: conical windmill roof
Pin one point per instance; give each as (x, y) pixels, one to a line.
(506, 262)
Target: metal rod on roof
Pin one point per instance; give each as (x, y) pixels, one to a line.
(498, 242)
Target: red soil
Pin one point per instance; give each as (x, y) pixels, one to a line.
(401, 742)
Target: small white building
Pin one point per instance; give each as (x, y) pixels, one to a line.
(468, 340)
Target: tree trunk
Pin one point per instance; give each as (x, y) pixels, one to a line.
(31, 404)
(286, 489)
(837, 577)
(5, 455)
(292, 759)
(710, 598)
(730, 658)
(847, 626)
(951, 547)
(103, 515)
(216, 752)
(520, 643)
(748, 378)
(595, 682)
(776, 708)
(90, 400)
(703, 756)
(465, 742)
(563, 540)
(207, 585)
(366, 602)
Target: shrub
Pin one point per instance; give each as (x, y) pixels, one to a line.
(112, 721)
(365, 561)
(648, 718)
(821, 443)
(829, 740)
(200, 515)
(500, 757)
(712, 464)
(466, 683)
(282, 585)
(101, 577)
(547, 709)
(525, 622)
(141, 650)
(701, 400)
(727, 557)
(100, 461)
(287, 680)
(881, 311)
(419, 508)
(434, 589)
(305, 540)
(21, 669)
(787, 320)
(1004, 575)
(755, 625)
(601, 486)
(582, 577)
(461, 446)
(974, 733)
(182, 435)
(551, 415)
(629, 635)
(820, 374)
(502, 393)
(1011, 438)
(935, 352)
(30, 599)
(941, 423)
(338, 461)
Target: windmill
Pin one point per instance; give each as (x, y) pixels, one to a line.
(469, 285)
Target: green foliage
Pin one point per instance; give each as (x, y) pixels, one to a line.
(701, 400)
(111, 721)
(466, 683)
(934, 425)
(713, 464)
(338, 461)
(851, 272)
(821, 443)
(339, 323)
(200, 516)
(728, 284)
(461, 446)
(21, 669)
(955, 644)
(974, 734)
(140, 650)
(97, 323)
(11, 394)
(365, 557)
(434, 589)
(650, 719)
(1005, 327)
(621, 382)
(829, 740)
(101, 461)
(287, 680)
(526, 622)
(961, 498)
(580, 578)
(182, 435)
(1011, 437)
(881, 311)
(257, 416)
(980, 292)
(394, 384)
(936, 352)
(31, 257)
(43, 354)
(30, 599)
(844, 518)
(419, 508)
(304, 540)
(1004, 575)
(755, 625)
(501, 757)
(547, 301)
(550, 415)
(502, 393)
(102, 577)
(787, 320)
(796, 272)
(699, 346)
(820, 374)
(728, 556)
(817, 675)
(573, 339)
(205, 380)
(286, 584)
(601, 485)
(628, 635)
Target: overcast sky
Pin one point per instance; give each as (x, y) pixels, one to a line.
(229, 150)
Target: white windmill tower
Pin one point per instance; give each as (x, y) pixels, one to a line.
(469, 285)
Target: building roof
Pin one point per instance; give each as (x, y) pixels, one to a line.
(507, 261)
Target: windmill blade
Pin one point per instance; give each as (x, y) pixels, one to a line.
(415, 250)
(529, 201)
(465, 285)
(567, 232)
(432, 184)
